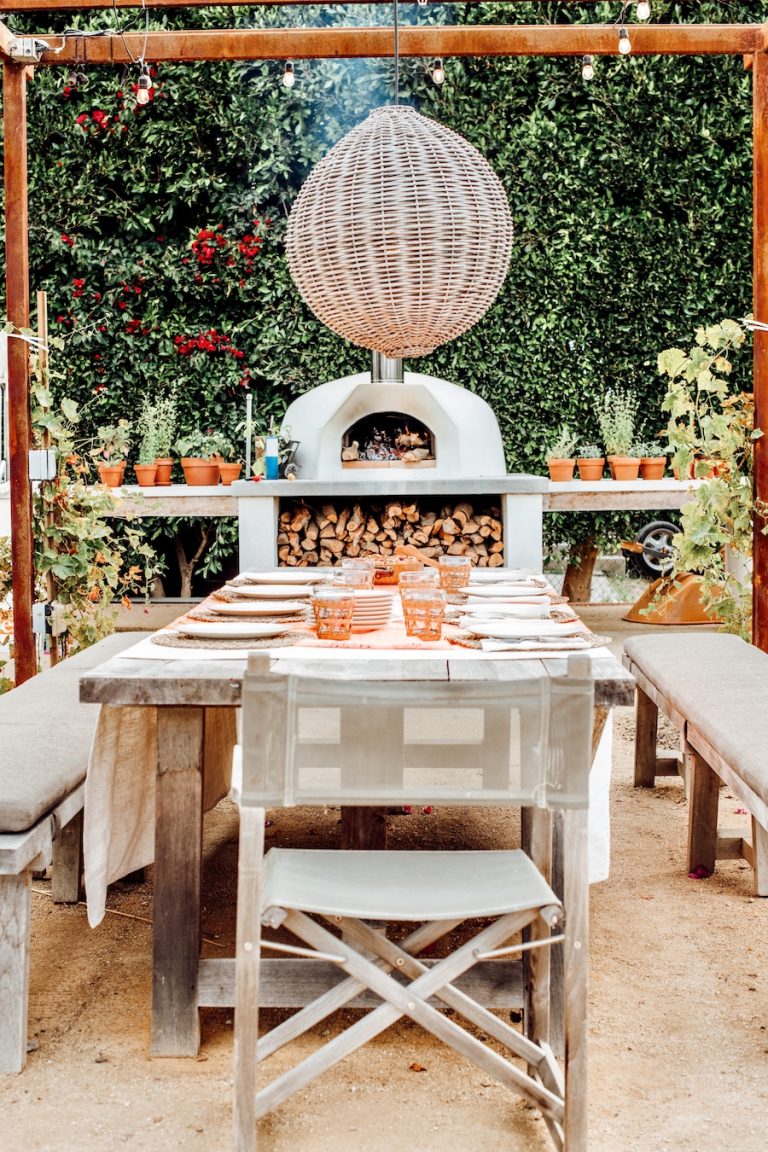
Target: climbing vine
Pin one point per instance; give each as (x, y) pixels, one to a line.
(158, 231)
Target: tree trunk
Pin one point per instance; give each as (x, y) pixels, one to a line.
(577, 585)
(187, 565)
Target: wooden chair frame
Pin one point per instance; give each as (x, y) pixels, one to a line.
(367, 958)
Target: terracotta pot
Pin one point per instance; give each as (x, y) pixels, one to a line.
(653, 467)
(145, 474)
(112, 474)
(560, 470)
(229, 472)
(199, 471)
(164, 465)
(591, 467)
(625, 467)
(697, 472)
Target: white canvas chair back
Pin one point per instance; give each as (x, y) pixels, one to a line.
(523, 742)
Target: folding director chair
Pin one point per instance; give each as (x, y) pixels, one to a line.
(524, 743)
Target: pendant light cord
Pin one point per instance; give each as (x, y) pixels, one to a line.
(397, 52)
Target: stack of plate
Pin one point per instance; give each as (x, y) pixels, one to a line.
(373, 608)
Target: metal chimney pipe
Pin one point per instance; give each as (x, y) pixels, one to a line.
(386, 370)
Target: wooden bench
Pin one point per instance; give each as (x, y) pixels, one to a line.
(45, 740)
(714, 688)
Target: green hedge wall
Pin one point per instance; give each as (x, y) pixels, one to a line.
(158, 233)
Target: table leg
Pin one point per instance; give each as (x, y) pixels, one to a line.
(556, 1023)
(364, 829)
(178, 855)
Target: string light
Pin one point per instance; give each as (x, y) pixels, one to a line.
(438, 72)
(587, 68)
(289, 76)
(625, 46)
(643, 10)
(143, 94)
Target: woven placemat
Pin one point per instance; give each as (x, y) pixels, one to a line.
(220, 617)
(465, 640)
(174, 640)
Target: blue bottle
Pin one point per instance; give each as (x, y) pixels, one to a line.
(271, 459)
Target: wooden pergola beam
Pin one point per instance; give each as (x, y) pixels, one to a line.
(17, 307)
(6, 40)
(469, 40)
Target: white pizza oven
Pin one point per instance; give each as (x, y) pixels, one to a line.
(369, 427)
(387, 457)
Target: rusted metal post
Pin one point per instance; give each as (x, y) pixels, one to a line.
(760, 306)
(17, 297)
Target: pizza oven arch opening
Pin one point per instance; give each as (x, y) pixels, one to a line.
(388, 439)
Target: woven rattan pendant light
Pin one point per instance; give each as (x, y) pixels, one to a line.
(400, 239)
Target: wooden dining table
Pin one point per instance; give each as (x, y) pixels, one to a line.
(182, 692)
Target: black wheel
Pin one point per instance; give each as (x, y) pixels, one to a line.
(656, 558)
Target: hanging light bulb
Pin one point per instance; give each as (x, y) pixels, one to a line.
(643, 10)
(587, 68)
(289, 76)
(143, 94)
(438, 72)
(625, 46)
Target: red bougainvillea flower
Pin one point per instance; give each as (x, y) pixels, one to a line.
(700, 873)
(68, 240)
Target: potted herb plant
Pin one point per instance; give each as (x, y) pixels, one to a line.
(158, 424)
(111, 446)
(653, 461)
(562, 460)
(229, 467)
(200, 454)
(591, 462)
(616, 417)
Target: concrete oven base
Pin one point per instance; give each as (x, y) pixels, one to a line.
(520, 497)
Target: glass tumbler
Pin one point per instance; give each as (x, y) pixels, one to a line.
(333, 608)
(454, 572)
(423, 611)
(357, 572)
(405, 564)
(424, 578)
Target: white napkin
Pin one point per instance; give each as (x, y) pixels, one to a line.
(566, 644)
(506, 611)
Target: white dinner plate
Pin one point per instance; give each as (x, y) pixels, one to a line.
(267, 591)
(505, 612)
(236, 630)
(265, 608)
(519, 629)
(494, 575)
(491, 591)
(285, 576)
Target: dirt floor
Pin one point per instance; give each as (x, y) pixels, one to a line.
(678, 1012)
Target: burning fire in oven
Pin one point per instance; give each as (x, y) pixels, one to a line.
(387, 437)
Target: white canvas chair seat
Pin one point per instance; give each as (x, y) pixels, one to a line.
(535, 736)
(406, 886)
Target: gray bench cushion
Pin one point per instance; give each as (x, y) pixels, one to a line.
(45, 736)
(720, 684)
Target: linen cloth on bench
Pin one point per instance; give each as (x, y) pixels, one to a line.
(720, 683)
(119, 827)
(44, 736)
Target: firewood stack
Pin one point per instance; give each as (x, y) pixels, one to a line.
(308, 535)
